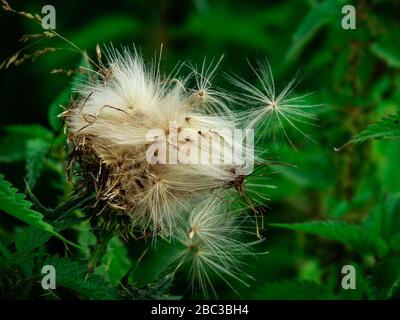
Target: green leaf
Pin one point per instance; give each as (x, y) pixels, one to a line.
(386, 128)
(31, 238)
(293, 290)
(74, 275)
(36, 152)
(14, 203)
(320, 14)
(159, 290)
(343, 232)
(115, 262)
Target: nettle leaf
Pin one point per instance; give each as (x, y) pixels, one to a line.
(14, 204)
(320, 14)
(31, 238)
(36, 152)
(349, 234)
(13, 145)
(74, 275)
(386, 128)
(158, 290)
(293, 290)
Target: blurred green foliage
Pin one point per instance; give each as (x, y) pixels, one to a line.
(332, 209)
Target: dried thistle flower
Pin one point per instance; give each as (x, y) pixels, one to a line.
(152, 146)
(109, 127)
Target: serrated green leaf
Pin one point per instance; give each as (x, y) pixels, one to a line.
(343, 232)
(386, 128)
(31, 238)
(74, 275)
(293, 290)
(14, 203)
(36, 152)
(159, 290)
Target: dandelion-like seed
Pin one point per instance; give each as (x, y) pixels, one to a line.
(204, 95)
(212, 245)
(270, 108)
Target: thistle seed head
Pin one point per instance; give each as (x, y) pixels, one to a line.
(152, 180)
(165, 151)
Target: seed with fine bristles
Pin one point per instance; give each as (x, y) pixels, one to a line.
(212, 245)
